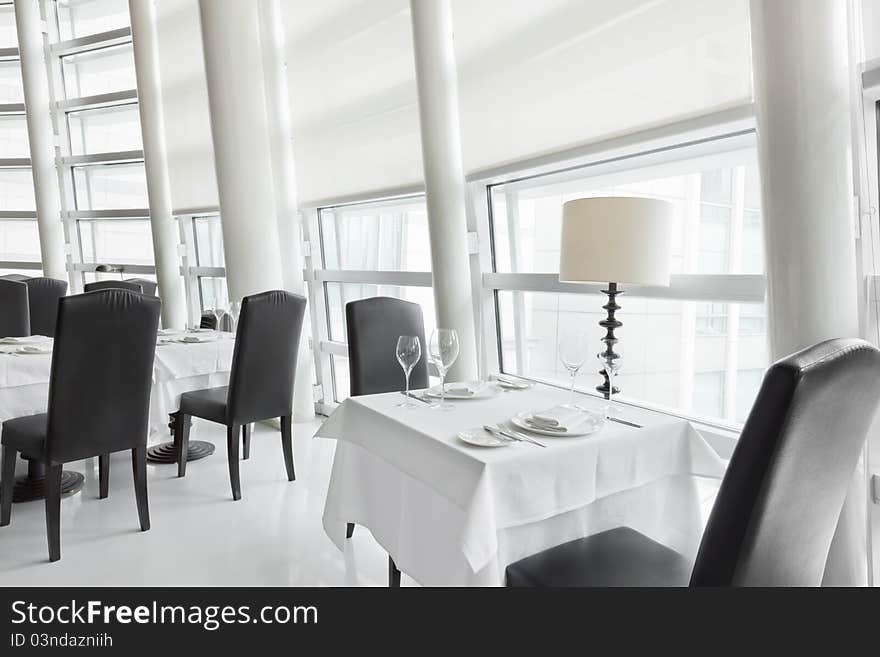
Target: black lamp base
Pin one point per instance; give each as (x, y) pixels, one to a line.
(610, 323)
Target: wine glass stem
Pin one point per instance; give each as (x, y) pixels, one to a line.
(408, 370)
(571, 388)
(442, 389)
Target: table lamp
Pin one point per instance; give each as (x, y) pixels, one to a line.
(615, 240)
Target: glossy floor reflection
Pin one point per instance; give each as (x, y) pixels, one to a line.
(199, 536)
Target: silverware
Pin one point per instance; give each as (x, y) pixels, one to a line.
(519, 437)
(626, 422)
(413, 395)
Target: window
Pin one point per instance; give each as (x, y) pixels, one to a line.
(104, 188)
(16, 189)
(8, 35)
(204, 265)
(99, 71)
(79, 18)
(694, 347)
(110, 186)
(13, 136)
(11, 90)
(19, 241)
(360, 250)
(105, 130)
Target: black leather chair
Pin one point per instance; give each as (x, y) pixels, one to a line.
(372, 327)
(43, 296)
(113, 285)
(14, 314)
(109, 339)
(260, 381)
(779, 503)
(14, 277)
(147, 286)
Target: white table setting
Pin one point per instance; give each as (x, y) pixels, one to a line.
(456, 489)
(185, 360)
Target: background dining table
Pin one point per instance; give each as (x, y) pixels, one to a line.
(450, 513)
(178, 367)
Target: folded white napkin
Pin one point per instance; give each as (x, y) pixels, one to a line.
(169, 331)
(14, 340)
(558, 417)
(34, 349)
(465, 388)
(199, 338)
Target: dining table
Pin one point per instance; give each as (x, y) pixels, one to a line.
(184, 361)
(451, 513)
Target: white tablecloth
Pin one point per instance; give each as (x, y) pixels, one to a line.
(177, 368)
(452, 514)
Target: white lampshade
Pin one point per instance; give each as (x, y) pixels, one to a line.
(616, 240)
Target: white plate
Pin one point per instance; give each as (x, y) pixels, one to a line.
(482, 438)
(584, 429)
(481, 391)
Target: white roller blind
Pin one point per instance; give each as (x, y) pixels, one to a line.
(534, 77)
(185, 101)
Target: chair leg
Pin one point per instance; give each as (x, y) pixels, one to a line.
(181, 440)
(7, 484)
(103, 475)
(349, 530)
(287, 445)
(53, 510)
(139, 469)
(393, 574)
(245, 442)
(232, 455)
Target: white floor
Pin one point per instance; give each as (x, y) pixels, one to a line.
(199, 536)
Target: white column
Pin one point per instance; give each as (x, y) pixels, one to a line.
(444, 175)
(242, 152)
(284, 174)
(801, 77)
(165, 233)
(41, 136)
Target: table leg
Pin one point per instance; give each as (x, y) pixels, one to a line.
(32, 486)
(166, 453)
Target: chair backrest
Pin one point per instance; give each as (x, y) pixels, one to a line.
(779, 504)
(264, 360)
(14, 277)
(43, 296)
(102, 370)
(373, 326)
(113, 285)
(147, 286)
(14, 313)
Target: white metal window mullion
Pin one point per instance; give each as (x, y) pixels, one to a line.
(485, 311)
(317, 301)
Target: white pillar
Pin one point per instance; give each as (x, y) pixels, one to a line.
(444, 175)
(801, 77)
(242, 152)
(284, 175)
(41, 138)
(165, 233)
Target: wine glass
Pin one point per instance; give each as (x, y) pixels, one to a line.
(573, 350)
(443, 350)
(219, 312)
(409, 351)
(611, 366)
(234, 312)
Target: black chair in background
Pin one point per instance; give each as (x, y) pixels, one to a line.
(147, 286)
(109, 339)
(779, 503)
(43, 296)
(14, 314)
(260, 380)
(373, 326)
(14, 277)
(113, 285)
